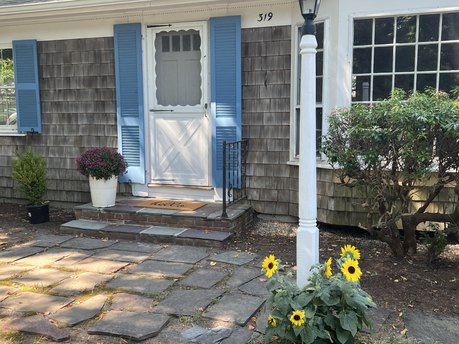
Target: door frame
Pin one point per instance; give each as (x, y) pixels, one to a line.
(150, 76)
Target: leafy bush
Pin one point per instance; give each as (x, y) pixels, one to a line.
(389, 150)
(435, 240)
(331, 307)
(101, 163)
(29, 170)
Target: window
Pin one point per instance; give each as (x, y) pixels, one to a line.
(7, 92)
(411, 52)
(296, 88)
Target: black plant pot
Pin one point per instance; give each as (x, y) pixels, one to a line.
(38, 213)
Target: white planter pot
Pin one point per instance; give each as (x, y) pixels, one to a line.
(103, 192)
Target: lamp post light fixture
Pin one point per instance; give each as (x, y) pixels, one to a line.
(307, 240)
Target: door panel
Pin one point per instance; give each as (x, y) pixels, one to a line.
(179, 129)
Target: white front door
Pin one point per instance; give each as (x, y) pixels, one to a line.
(177, 95)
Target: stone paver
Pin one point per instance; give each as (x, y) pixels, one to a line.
(80, 312)
(429, 328)
(88, 243)
(74, 258)
(139, 284)
(122, 256)
(80, 283)
(136, 247)
(256, 287)
(6, 291)
(205, 235)
(141, 325)
(42, 277)
(204, 278)
(15, 253)
(262, 319)
(235, 307)
(10, 271)
(102, 266)
(34, 302)
(187, 302)
(243, 275)
(131, 303)
(161, 231)
(49, 240)
(44, 258)
(239, 336)
(234, 257)
(36, 325)
(198, 334)
(181, 254)
(378, 317)
(158, 269)
(86, 224)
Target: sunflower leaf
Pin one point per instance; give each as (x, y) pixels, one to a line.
(348, 321)
(342, 335)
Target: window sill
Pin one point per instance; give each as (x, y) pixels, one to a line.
(11, 133)
(320, 163)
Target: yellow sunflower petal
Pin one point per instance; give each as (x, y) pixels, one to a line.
(351, 270)
(297, 318)
(269, 264)
(272, 321)
(351, 250)
(328, 270)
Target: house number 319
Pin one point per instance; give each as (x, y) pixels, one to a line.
(265, 16)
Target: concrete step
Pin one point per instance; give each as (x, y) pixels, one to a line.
(145, 233)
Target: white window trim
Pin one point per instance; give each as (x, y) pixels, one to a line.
(293, 159)
(381, 14)
(9, 130)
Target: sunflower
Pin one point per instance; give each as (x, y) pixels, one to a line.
(351, 270)
(272, 321)
(328, 270)
(355, 254)
(297, 318)
(269, 265)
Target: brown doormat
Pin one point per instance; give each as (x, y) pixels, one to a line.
(172, 204)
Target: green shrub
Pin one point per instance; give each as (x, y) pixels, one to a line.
(331, 308)
(29, 171)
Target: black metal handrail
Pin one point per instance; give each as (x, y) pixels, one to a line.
(234, 173)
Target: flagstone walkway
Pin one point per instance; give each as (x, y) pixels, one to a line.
(85, 290)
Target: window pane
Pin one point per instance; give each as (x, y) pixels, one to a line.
(319, 63)
(186, 41)
(196, 42)
(383, 59)
(406, 29)
(320, 35)
(428, 27)
(319, 90)
(426, 81)
(382, 87)
(450, 29)
(176, 43)
(362, 60)
(405, 82)
(384, 30)
(362, 31)
(427, 57)
(449, 56)
(165, 44)
(361, 88)
(448, 81)
(404, 60)
(7, 90)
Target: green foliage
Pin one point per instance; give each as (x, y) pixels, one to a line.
(435, 240)
(6, 72)
(334, 308)
(29, 170)
(390, 148)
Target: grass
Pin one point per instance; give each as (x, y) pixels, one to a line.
(10, 337)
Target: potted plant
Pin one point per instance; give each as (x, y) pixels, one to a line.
(102, 165)
(29, 171)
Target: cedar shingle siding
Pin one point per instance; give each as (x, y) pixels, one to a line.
(266, 63)
(77, 86)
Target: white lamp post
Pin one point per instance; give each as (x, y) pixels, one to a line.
(307, 240)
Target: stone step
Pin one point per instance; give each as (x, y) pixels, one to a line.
(145, 233)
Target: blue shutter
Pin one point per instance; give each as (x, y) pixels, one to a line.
(129, 99)
(225, 60)
(27, 86)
